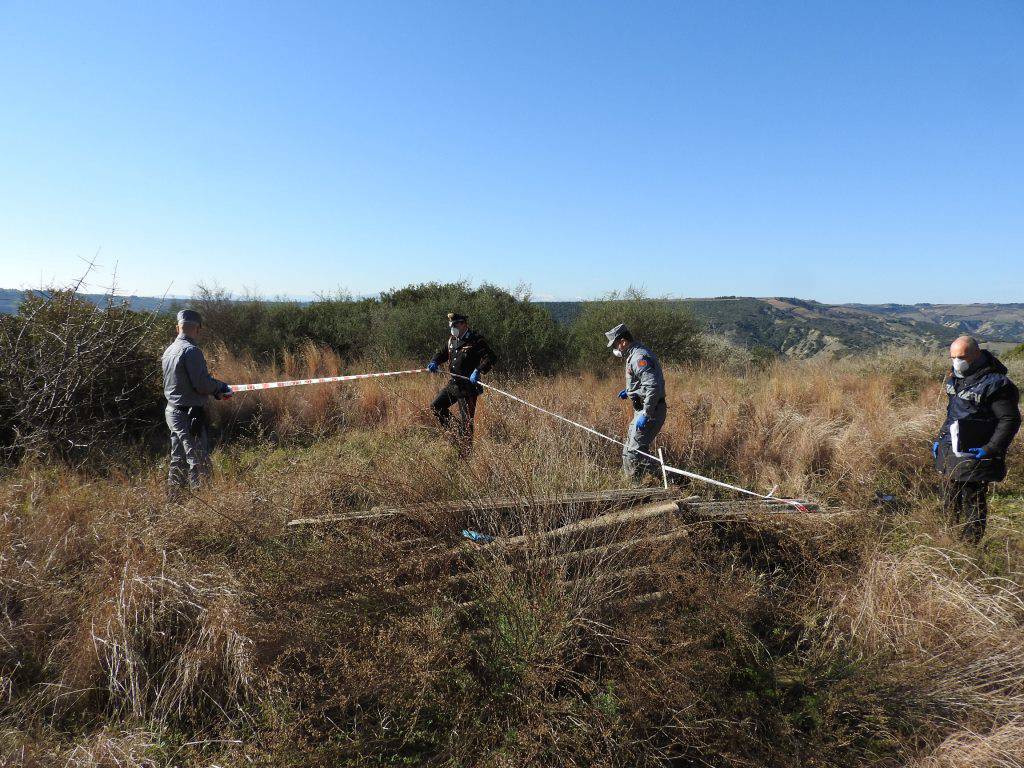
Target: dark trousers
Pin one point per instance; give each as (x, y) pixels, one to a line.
(464, 396)
(966, 508)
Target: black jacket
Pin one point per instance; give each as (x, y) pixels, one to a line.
(986, 397)
(466, 355)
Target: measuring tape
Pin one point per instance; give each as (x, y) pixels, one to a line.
(323, 380)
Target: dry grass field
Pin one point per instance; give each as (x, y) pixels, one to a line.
(136, 632)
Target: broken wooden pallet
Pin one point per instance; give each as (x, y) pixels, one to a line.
(582, 503)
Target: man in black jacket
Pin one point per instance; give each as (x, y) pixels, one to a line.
(982, 417)
(468, 356)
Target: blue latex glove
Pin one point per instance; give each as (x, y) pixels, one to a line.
(623, 394)
(474, 377)
(479, 538)
(641, 421)
(935, 449)
(978, 453)
(432, 366)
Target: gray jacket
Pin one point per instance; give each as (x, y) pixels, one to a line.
(645, 381)
(187, 381)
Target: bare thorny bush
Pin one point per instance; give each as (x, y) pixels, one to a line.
(75, 378)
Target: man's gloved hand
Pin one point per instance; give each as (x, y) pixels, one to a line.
(224, 393)
(432, 366)
(978, 453)
(474, 377)
(623, 394)
(641, 421)
(935, 449)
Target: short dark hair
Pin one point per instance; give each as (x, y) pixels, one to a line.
(624, 335)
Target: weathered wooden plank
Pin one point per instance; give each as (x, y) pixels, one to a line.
(762, 506)
(620, 497)
(591, 525)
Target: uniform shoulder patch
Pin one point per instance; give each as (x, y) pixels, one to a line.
(642, 362)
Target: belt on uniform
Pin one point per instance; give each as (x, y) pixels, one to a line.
(639, 406)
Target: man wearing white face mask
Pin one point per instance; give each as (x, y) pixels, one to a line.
(468, 356)
(645, 388)
(982, 417)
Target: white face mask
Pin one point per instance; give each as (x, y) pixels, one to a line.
(455, 331)
(617, 352)
(960, 367)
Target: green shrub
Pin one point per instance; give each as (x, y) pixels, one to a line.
(667, 327)
(265, 328)
(412, 323)
(406, 324)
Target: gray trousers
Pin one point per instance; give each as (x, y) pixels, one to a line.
(190, 456)
(633, 464)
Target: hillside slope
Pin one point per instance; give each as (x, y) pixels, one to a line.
(996, 321)
(801, 328)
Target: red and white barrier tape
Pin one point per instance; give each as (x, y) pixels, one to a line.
(673, 470)
(322, 380)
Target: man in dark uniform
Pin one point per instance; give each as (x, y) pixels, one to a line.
(188, 386)
(468, 356)
(982, 417)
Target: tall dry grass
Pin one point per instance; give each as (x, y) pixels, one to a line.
(1002, 747)
(138, 633)
(835, 431)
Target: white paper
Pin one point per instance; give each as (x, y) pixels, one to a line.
(954, 434)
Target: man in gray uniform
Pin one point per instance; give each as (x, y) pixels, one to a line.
(645, 387)
(188, 387)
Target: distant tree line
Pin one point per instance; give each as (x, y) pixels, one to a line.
(410, 324)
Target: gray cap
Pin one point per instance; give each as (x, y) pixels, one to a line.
(190, 316)
(615, 333)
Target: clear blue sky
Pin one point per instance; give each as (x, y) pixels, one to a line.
(844, 151)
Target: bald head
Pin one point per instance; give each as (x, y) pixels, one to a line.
(965, 347)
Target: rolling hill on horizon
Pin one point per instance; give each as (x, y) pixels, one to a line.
(804, 328)
(781, 325)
